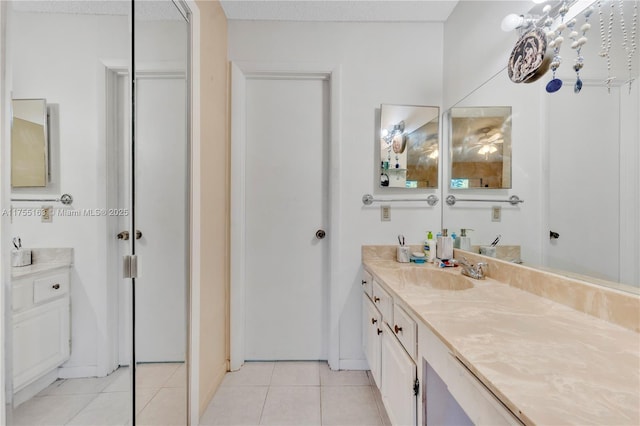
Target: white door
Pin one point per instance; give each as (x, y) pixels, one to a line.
(286, 187)
(161, 208)
(579, 147)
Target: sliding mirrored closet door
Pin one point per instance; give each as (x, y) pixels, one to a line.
(85, 343)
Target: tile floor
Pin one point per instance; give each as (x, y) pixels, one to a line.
(295, 393)
(160, 399)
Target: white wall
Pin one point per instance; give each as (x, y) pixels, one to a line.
(380, 63)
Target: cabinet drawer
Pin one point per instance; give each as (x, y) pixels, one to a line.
(406, 330)
(50, 287)
(384, 302)
(367, 283)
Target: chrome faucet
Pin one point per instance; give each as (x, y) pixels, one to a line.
(476, 272)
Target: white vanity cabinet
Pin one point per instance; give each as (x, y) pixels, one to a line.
(389, 344)
(41, 325)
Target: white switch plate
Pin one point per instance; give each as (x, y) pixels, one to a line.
(385, 213)
(496, 214)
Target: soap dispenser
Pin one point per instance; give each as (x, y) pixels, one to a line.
(432, 247)
(463, 242)
(444, 246)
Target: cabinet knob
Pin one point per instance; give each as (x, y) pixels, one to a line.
(379, 331)
(376, 299)
(364, 282)
(55, 286)
(397, 329)
(373, 320)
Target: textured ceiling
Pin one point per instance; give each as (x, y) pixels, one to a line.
(340, 10)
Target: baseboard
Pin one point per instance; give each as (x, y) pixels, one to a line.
(353, 364)
(32, 389)
(77, 372)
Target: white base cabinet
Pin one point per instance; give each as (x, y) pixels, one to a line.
(399, 387)
(41, 328)
(392, 367)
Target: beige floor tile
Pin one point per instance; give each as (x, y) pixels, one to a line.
(154, 375)
(251, 374)
(121, 381)
(178, 379)
(349, 406)
(292, 405)
(167, 408)
(330, 377)
(106, 409)
(296, 374)
(50, 410)
(79, 386)
(235, 405)
(143, 397)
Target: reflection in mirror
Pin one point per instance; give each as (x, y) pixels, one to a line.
(409, 146)
(480, 147)
(29, 143)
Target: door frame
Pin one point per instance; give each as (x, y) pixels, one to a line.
(240, 73)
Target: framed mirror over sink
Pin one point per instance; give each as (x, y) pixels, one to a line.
(409, 146)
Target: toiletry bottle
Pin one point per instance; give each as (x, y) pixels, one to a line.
(426, 247)
(444, 246)
(454, 238)
(432, 247)
(464, 242)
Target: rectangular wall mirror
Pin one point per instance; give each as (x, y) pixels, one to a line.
(480, 146)
(29, 143)
(409, 140)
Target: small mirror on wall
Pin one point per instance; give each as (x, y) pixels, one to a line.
(29, 143)
(409, 141)
(480, 146)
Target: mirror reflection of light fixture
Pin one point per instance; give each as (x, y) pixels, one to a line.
(396, 130)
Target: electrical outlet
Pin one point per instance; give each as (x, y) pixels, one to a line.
(385, 213)
(496, 214)
(47, 214)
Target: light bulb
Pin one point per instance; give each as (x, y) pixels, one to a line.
(511, 22)
(384, 133)
(539, 1)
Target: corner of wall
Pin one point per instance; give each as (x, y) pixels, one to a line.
(214, 232)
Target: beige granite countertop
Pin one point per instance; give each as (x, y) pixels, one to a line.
(549, 363)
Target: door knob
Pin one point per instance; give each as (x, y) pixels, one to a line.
(553, 235)
(138, 234)
(320, 234)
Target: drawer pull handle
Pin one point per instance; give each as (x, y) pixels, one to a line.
(379, 331)
(364, 282)
(397, 329)
(373, 320)
(55, 286)
(376, 299)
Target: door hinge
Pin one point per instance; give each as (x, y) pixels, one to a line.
(130, 266)
(416, 387)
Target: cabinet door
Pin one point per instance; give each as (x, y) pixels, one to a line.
(371, 338)
(40, 341)
(398, 378)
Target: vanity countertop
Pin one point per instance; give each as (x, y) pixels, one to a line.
(549, 363)
(44, 260)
